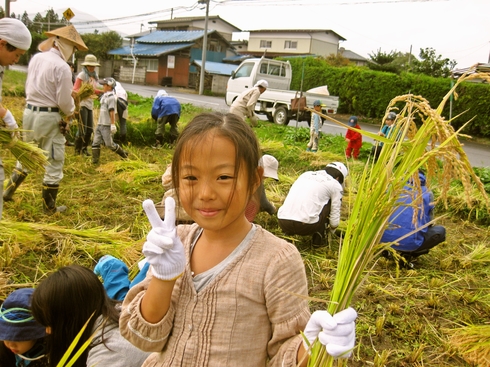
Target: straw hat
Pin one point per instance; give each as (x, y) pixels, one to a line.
(69, 33)
(90, 60)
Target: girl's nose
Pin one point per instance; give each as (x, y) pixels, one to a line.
(206, 191)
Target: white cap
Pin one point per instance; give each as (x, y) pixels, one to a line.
(262, 83)
(271, 165)
(341, 167)
(162, 93)
(15, 32)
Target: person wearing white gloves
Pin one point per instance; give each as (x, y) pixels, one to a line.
(15, 40)
(106, 126)
(223, 291)
(244, 104)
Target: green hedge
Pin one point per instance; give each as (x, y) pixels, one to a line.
(367, 93)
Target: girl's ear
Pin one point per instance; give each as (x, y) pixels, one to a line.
(258, 178)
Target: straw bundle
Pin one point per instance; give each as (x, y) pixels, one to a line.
(29, 155)
(380, 185)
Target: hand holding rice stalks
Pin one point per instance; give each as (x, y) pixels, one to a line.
(434, 147)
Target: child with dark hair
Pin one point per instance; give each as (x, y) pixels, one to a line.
(106, 126)
(22, 337)
(63, 303)
(228, 294)
(353, 139)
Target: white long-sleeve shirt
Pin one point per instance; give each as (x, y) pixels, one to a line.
(49, 82)
(244, 104)
(308, 195)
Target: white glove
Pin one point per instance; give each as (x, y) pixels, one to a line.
(113, 129)
(163, 248)
(10, 121)
(337, 332)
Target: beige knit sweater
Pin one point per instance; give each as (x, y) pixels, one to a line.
(244, 317)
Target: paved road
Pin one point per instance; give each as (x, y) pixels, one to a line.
(478, 154)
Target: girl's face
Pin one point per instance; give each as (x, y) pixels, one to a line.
(19, 347)
(389, 122)
(91, 69)
(209, 190)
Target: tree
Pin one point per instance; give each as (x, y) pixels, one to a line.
(382, 61)
(99, 43)
(433, 65)
(337, 60)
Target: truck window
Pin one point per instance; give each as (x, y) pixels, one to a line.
(244, 71)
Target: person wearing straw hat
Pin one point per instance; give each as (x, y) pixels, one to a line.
(244, 104)
(48, 95)
(15, 40)
(86, 126)
(22, 337)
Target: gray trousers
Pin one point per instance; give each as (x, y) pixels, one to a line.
(43, 129)
(103, 134)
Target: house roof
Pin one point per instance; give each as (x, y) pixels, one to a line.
(172, 36)
(145, 49)
(191, 19)
(297, 31)
(478, 68)
(351, 55)
(216, 67)
(236, 58)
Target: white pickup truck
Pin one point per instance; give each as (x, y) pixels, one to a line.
(275, 102)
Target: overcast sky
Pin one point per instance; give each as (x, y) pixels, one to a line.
(456, 29)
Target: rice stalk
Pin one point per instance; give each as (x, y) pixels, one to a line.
(473, 342)
(28, 154)
(409, 149)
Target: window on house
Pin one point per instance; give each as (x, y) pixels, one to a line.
(291, 45)
(151, 64)
(265, 44)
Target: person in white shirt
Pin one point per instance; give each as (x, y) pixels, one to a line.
(314, 202)
(48, 94)
(121, 111)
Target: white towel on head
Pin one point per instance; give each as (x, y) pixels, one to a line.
(15, 32)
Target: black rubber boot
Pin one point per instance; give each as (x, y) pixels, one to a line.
(50, 192)
(78, 145)
(119, 151)
(15, 180)
(95, 155)
(158, 142)
(122, 139)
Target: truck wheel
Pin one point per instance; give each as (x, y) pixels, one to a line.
(281, 116)
(270, 118)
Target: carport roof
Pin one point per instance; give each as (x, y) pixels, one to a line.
(217, 67)
(145, 49)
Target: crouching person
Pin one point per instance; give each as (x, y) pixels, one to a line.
(106, 125)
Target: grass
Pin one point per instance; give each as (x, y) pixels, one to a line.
(406, 317)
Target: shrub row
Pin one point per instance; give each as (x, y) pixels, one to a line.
(367, 93)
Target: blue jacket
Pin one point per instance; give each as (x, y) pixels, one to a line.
(165, 106)
(401, 221)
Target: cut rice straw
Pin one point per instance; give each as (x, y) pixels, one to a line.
(433, 147)
(29, 155)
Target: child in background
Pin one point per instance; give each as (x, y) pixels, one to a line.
(22, 337)
(353, 139)
(228, 295)
(106, 126)
(315, 124)
(64, 302)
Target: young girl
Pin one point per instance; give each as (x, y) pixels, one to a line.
(22, 338)
(64, 301)
(232, 294)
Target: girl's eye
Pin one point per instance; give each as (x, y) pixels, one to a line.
(190, 178)
(225, 177)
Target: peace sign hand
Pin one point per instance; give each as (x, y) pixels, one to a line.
(163, 248)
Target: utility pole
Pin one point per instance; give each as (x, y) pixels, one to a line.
(204, 47)
(7, 8)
